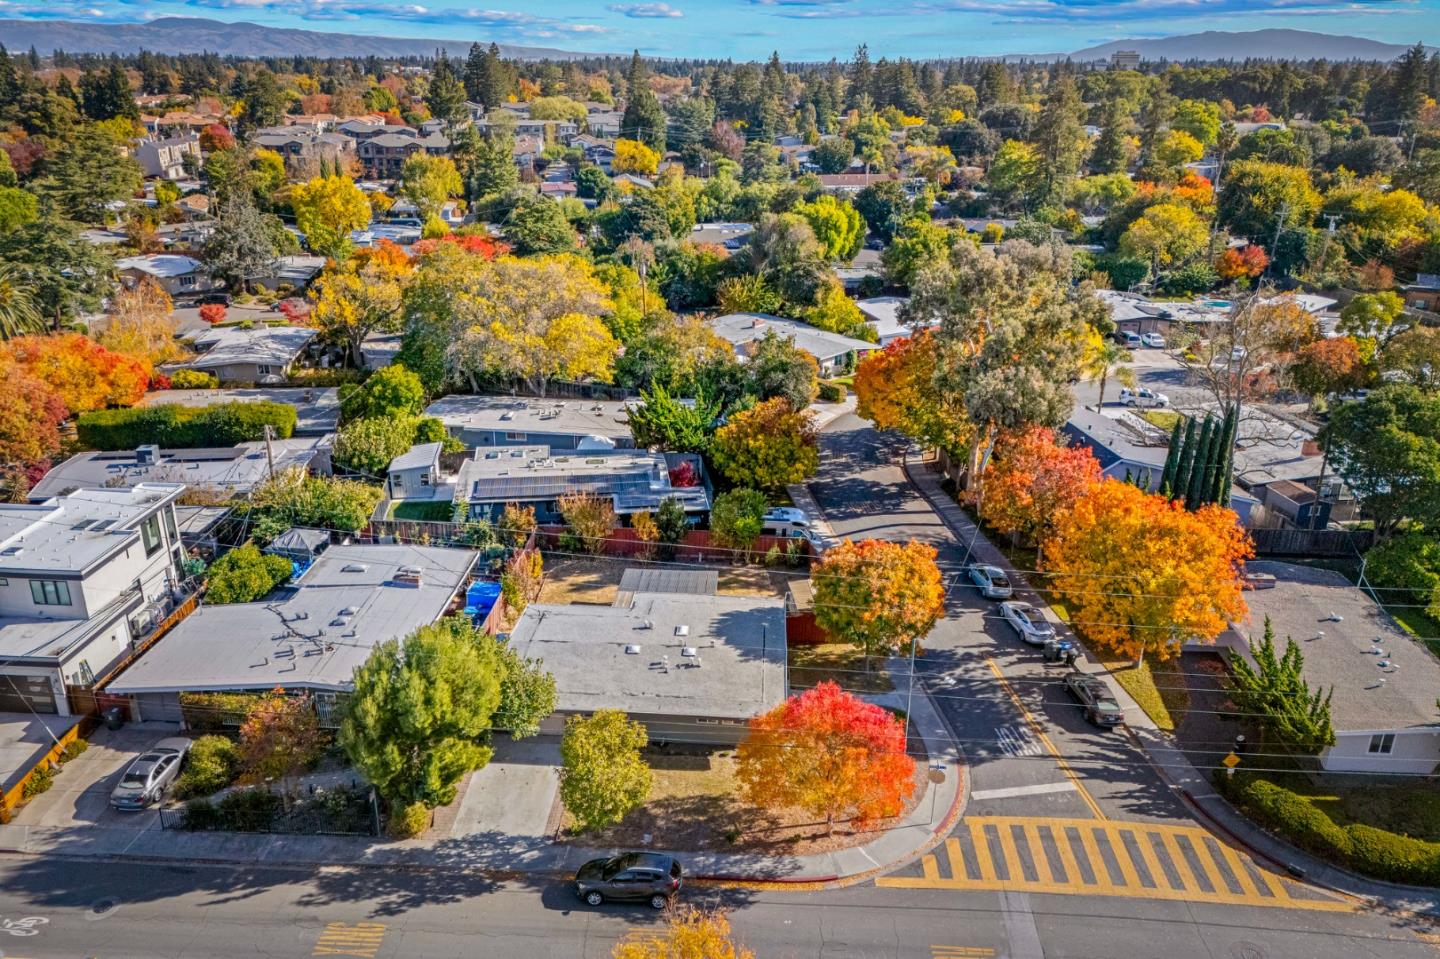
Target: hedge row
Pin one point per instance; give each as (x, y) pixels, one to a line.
(178, 427)
(1373, 852)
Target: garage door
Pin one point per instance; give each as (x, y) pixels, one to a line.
(159, 707)
(22, 694)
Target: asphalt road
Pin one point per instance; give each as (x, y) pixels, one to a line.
(119, 910)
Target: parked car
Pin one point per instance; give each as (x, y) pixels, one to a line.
(1128, 340)
(151, 774)
(1029, 622)
(634, 876)
(206, 299)
(1092, 693)
(785, 514)
(991, 580)
(1154, 340)
(1140, 396)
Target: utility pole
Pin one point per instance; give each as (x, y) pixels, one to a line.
(269, 451)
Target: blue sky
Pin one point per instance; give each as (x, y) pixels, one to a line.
(799, 29)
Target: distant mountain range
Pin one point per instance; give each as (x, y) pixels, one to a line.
(1271, 44)
(197, 35)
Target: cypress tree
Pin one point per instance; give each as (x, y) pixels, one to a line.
(1195, 484)
(1172, 457)
(1212, 467)
(1186, 462)
(1226, 458)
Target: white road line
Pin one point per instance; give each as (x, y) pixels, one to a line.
(1012, 791)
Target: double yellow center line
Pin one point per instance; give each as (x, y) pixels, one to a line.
(1044, 738)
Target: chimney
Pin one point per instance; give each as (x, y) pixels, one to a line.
(1309, 448)
(147, 454)
(756, 322)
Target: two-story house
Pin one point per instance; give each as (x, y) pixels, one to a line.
(166, 157)
(83, 578)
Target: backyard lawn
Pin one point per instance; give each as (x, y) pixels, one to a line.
(841, 662)
(1165, 419)
(421, 512)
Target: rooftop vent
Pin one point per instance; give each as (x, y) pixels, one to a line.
(507, 415)
(12, 551)
(147, 454)
(353, 568)
(632, 649)
(682, 630)
(690, 651)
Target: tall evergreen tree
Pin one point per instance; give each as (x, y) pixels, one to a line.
(1186, 462)
(1172, 457)
(1275, 690)
(446, 96)
(1060, 141)
(1112, 150)
(1206, 494)
(1226, 459)
(643, 119)
(860, 76)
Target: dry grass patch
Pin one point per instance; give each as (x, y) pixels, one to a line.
(593, 581)
(840, 662)
(752, 581)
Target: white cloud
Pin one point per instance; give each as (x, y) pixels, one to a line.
(646, 11)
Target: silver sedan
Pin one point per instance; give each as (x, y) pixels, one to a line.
(1029, 623)
(151, 774)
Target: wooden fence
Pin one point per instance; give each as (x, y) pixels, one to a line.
(13, 796)
(1311, 542)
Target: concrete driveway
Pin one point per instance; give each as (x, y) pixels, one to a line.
(81, 794)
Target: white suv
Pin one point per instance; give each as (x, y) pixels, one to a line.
(1140, 396)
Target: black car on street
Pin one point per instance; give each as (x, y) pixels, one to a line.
(633, 876)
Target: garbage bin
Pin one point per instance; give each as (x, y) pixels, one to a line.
(114, 717)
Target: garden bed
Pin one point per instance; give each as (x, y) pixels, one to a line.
(695, 806)
(342, 809)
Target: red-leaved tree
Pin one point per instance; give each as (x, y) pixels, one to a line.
(829, 753)
(1031, 480)
(85, 375)
(213, 313)
(216, 137)
(684, 475)
(1245, 263)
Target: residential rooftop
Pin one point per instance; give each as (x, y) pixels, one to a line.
(317, 411)
(419, 455)
(71, 533)
(161, 265)
(742, 329)
(718, 657)
(635, 479)
(231, 470)
(311, 635)
(1382, 678)
(602, 418)
(230, 345)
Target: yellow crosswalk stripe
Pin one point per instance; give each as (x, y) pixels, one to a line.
(1160, 848)
(961, 952)
(360, 940)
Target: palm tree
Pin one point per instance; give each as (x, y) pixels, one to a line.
(1103, 360)
(19, 313)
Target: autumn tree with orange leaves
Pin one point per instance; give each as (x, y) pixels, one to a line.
(1032, 480)
(85, 375)
(1142, 575)
(689, 933)
(881, 596)
(895, 390)
(829, 753)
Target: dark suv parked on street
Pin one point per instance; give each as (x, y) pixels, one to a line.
(1100, 705)
(644, 876)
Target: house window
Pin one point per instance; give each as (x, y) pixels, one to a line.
(515, 437)
(150, 535)
(170, 526)
(1382, 743)
(187, 281)
(264, 369)
(50, 592)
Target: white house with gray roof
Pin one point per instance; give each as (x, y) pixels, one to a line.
(175, 273)
(693, 668)
(1385, 684)
(523, 421)
(310, 635)
(260, 354)
(831, 350)
(82, 577)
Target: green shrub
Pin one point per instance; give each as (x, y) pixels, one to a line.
(407, 822)
(199, 815)
(245, 574)
(72, 749)
(1366, 849)
(248, 810)
(194, 380)
(832, 392)
(179, 427)
(213, 764)
(40, 780)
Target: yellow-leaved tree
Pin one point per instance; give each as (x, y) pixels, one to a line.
(326, 209)
(688, 934)
(632, 156)
(360, 297)
(1141, 574)
(533, 320)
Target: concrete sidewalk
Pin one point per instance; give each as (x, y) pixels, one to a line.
(499, 827)
(1165, 754)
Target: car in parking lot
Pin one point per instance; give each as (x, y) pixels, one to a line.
(633, 876)
(151, 774)
(1092, 693)
(1153, 340)
(1127, 340)
(1029, 622)
(992, 581)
